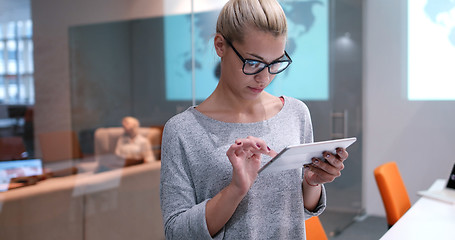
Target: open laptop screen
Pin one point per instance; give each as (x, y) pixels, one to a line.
(18, 168)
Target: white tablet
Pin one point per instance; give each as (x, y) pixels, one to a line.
(295, 156)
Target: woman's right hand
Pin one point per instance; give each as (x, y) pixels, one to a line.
(245, 157)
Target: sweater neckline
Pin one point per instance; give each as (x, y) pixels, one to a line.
(193, 110)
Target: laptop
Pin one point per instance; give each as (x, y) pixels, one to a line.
(18, 168)
(447, 194)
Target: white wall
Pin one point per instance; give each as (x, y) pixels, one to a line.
(419, 136)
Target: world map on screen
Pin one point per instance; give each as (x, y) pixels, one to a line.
(431, 50)
(306, 78)
(442, 12)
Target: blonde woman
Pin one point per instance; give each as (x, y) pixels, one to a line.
(211, 152)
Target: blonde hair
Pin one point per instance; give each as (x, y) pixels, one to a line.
(237, 16)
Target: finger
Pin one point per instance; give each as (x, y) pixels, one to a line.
(244, 149)
(236, 150)
(326, 167)
(247, 144)
(255, 145)
(264, 149)
(333, 160)
(322, 176)
(342, 154)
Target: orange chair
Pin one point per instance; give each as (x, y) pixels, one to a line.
(314, 229)
(393, 191)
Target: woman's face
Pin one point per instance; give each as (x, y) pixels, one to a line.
(257, 45)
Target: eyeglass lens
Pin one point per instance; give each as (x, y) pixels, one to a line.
(253, 67)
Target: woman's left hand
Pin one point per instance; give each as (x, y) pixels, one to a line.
(324, 171)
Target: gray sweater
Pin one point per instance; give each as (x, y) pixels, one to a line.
(194, 168)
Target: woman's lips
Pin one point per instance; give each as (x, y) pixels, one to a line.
(256, 90)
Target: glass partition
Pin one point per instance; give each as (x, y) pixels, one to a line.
(156, 67)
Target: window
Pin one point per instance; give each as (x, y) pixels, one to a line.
(16, 63)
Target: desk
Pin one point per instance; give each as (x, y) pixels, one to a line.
(426, 219)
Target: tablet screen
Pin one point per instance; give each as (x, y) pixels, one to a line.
(296, 156)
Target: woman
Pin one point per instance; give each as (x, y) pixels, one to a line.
(212, 152)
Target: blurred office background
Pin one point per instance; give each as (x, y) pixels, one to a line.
(81, 65)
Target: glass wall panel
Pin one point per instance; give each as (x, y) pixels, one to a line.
(156, 67)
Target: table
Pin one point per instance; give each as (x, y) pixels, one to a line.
(426, 219)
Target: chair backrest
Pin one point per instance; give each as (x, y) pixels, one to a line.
(106, 139)
(59, 146)
(393, 191)
(155, 137)
(314, 229)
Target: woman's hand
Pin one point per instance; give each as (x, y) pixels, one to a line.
(245, 157)
(320, 171)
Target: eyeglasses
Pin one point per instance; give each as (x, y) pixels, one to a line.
(251, 67)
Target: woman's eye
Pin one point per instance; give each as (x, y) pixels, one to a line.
(253, 64)
(277, 65)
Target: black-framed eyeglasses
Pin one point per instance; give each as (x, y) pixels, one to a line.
(251, 66)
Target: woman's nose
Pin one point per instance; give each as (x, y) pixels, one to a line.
(263, 76)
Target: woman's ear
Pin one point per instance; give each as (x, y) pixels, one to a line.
(220, 44)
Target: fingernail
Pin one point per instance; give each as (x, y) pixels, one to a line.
(327, 156)
(268, 148)
(315, 161)
(238, 143)
(257, 145)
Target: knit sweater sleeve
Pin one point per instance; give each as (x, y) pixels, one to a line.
(184, 217)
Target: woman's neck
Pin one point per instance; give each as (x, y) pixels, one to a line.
(227, 107)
